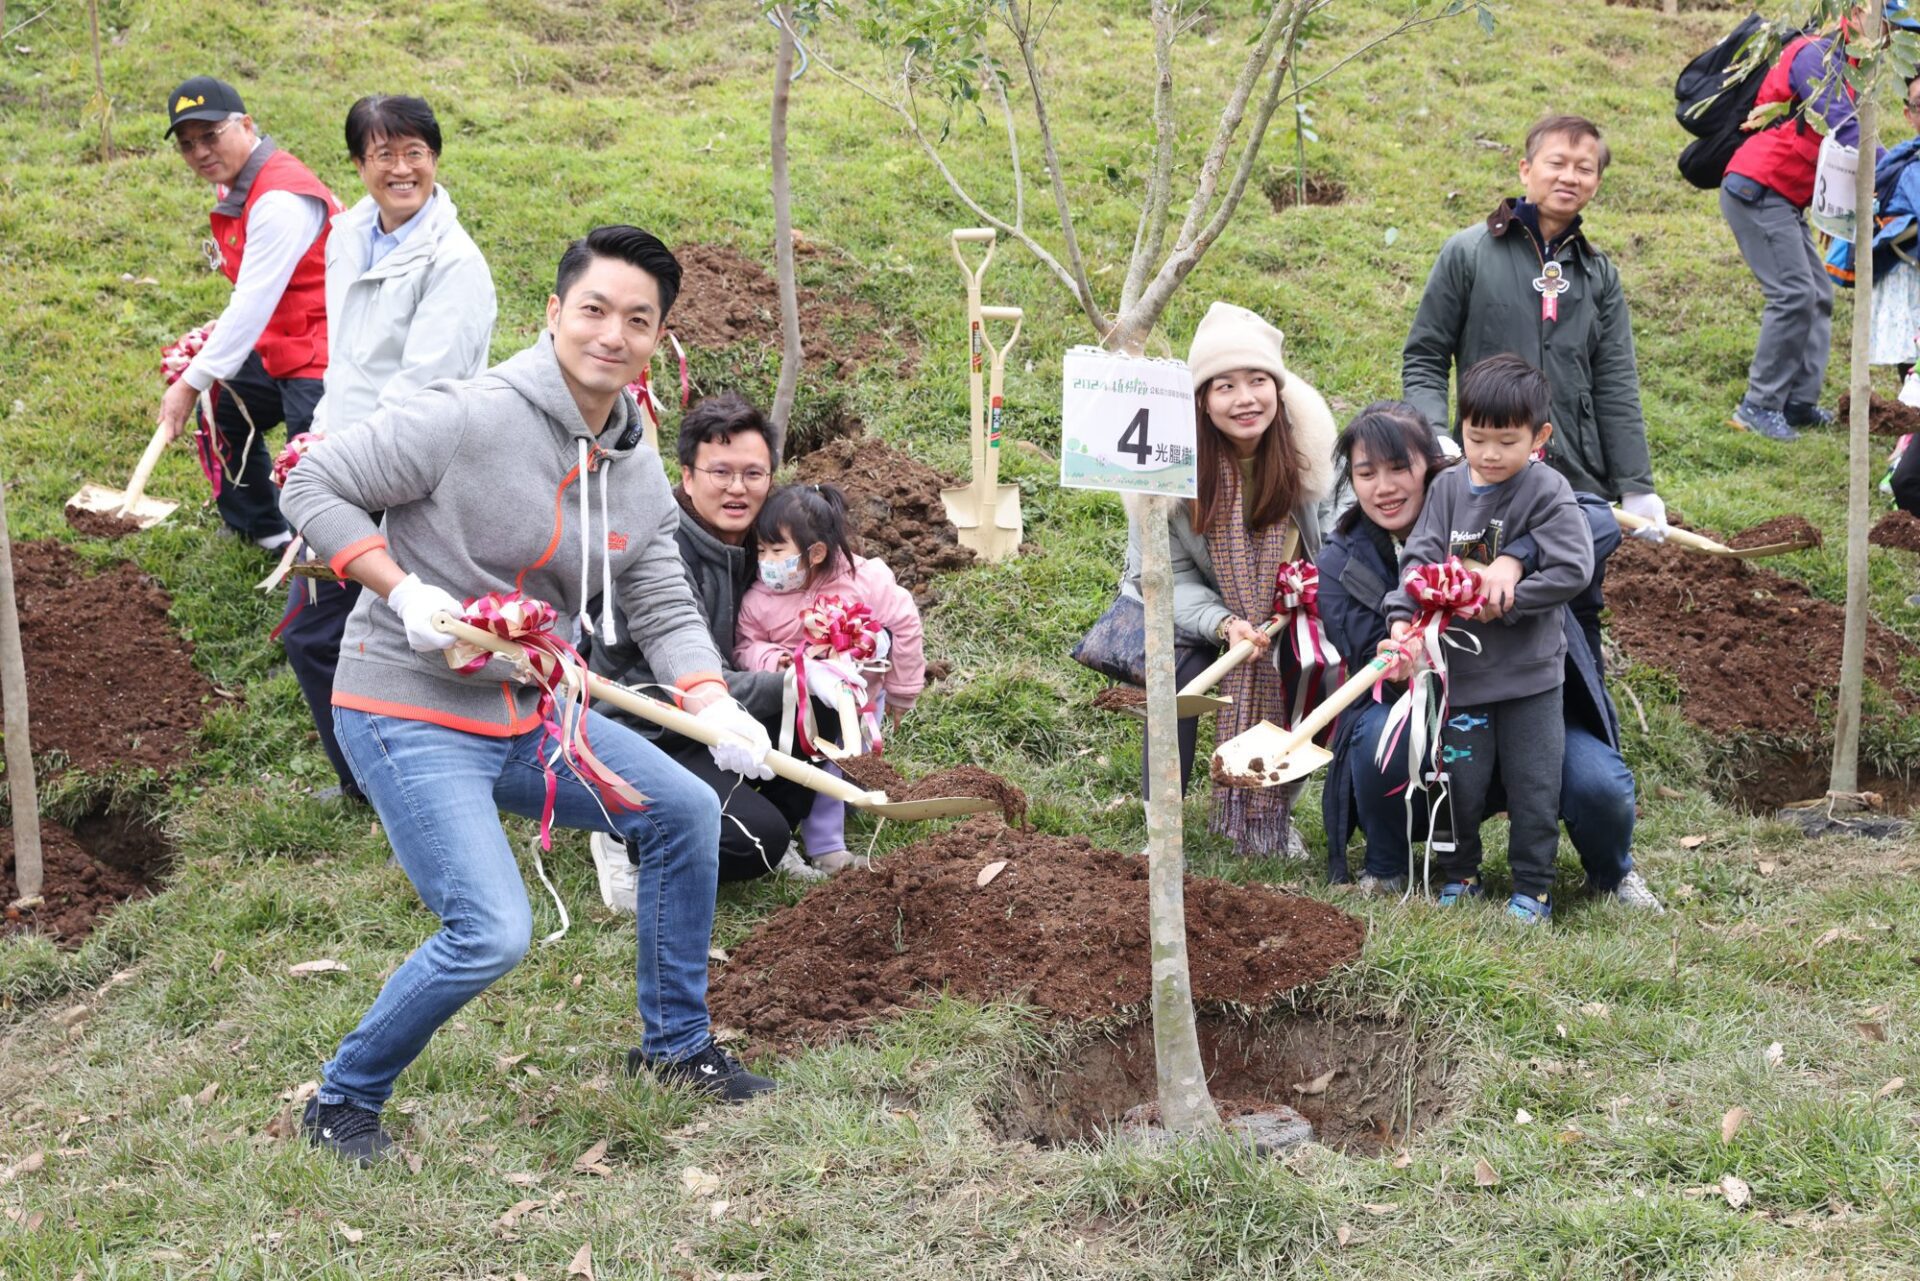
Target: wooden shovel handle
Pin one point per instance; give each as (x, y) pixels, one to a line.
(670, 717)
(1679, 537)
(137, 487)
(987, 234)
(1235, 656)
(1359, 683)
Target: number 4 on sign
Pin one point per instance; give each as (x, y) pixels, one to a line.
(1134, 439)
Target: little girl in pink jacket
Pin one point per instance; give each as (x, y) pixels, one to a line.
(837, 611)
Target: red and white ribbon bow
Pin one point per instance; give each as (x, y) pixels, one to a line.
(841, 642)
(174, 359)
(560, 673)
(1296, 602)
(290, 456)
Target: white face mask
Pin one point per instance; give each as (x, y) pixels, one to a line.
(783, 575)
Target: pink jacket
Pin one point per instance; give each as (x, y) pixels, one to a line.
(769, 627)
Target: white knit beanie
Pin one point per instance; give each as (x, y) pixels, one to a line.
(1231, 338)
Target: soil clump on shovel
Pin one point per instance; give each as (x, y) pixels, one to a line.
(1753, 650)
(1791, 528)
(875, 774)
(894, 501)
(1897, 529)
(100, 524)
(1884, 417)
(1119, 698)
(109, 681)
(1062, 925)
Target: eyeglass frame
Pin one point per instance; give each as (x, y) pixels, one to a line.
(427, 153)
(187, 146)
(731, 474)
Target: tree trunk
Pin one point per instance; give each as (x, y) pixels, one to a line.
(100, 85)
(790, 352)
(1186, 1106)
(1845, 776)
(13, 687)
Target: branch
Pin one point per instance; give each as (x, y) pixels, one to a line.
(1013, 142)
(1230, 118)
(1077, 264)
(1151, 237)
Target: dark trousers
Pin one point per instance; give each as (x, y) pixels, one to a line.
(757, 817)
(310, 629)
(1522, 741)
(248, 502)
(1906, 480)
(1188, 662)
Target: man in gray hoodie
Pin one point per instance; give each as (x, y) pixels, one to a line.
(531, 479)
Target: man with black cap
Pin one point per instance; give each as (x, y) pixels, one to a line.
(264, 361)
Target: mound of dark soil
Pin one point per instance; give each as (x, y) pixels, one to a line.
(726, 298)
(100, 524)
(1063, 925)
(76, 888)
(878, 775)
(109, 681)
(895, 503)
(1897, 529)
(1752, 650)
(1790, 528)
(1884, 417)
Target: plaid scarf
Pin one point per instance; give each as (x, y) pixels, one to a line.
(1245, 563)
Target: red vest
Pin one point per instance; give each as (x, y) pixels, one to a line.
(1784, 157)
(294, 343)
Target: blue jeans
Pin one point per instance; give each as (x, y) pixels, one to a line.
(1596, 801)
(438, 792)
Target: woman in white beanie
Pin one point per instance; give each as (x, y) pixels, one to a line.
(1265, 465)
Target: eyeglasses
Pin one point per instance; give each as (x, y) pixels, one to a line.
(751, 478)
(414, 156)
(188, 145)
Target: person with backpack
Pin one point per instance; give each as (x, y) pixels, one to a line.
(1764, 195)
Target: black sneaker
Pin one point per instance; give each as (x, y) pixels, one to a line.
(1799, 413)
(712, 1071)
(352, 1133)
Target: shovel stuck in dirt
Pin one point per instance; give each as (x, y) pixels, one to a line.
(670, 717)
(985, 513)
(131, 504)
(1266, 755)
(1701, 543)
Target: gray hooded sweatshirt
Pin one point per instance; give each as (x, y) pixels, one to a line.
(493, 485)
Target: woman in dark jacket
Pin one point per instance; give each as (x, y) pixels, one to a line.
(1387, 454)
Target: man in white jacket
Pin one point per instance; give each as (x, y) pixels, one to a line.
(409, 301)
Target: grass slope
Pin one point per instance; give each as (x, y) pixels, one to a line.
(1625, 1039)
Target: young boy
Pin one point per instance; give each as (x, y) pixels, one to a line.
(1505, 707)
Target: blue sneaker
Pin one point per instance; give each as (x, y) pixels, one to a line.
(1529, 911)
(1800, 413)
(1770, 423)
(1453, 891)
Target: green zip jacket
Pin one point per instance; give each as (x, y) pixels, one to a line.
(1481, 301)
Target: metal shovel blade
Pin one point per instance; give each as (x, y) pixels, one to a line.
(922, 811)
(962, 508)
(1188, 705)
(1771, 549)
(1257, 758)
(995, 535)
(144, 514)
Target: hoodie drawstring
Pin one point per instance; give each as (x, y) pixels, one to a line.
(590, 459)
(586, 538)
(606, 565)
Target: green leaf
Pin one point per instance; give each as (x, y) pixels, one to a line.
(1486, 19)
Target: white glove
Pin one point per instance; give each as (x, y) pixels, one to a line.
(416, 603)
(1649, 507)
(745, 747)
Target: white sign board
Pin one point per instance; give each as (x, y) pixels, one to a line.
(1832, 207)
(1126, 424)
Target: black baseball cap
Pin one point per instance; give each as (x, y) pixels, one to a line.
(201, 98)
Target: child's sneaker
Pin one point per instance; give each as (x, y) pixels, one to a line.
(1453, 891)
(793, 863)
(837, 861)
(1529, 911)
(1371, 886)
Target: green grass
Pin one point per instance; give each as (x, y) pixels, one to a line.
(1626, 1039)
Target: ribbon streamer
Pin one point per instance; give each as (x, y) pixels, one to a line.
(559, 672)
(841, 642)
(1442, 594)
(1296, 601)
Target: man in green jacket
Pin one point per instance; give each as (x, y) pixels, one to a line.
(1527, 281)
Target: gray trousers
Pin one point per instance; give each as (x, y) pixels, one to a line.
(1525, 740)
(1790, 360)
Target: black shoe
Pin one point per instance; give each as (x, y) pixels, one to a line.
(352, 1133)
(1800, 413)
(712, 1071)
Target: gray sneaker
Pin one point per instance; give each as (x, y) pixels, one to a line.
(1371, 886)
(793, 863)
(1634, 892)
(1770, 423)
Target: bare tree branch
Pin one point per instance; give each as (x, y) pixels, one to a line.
(791, 353)
(1230, 118)
(1152, 236)
(1013, 142)
(1075, 262)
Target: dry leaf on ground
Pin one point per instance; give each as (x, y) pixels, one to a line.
(1872, 1031)
(507, 1221)
(990, 871)
(1484, 1175)
(1735, 1189)
(582, 1265)
(1692, 842)
(353, 1235)
(697, 1182)
(1319, 1083)
(307, 968)
(1891, 1088)
(1774, 1053)
(589, 1162)
(30, 1164)
(1730, 1123)
(1343, 1233)
(1522, 1117)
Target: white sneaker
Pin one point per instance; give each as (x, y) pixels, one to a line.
(1634, 892)
(619, 879)
(838, 861)
(1296, 844)
(794, 864)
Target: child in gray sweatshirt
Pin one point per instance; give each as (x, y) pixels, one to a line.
(1505, 709)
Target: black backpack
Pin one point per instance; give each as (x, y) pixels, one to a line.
(1712, 108)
